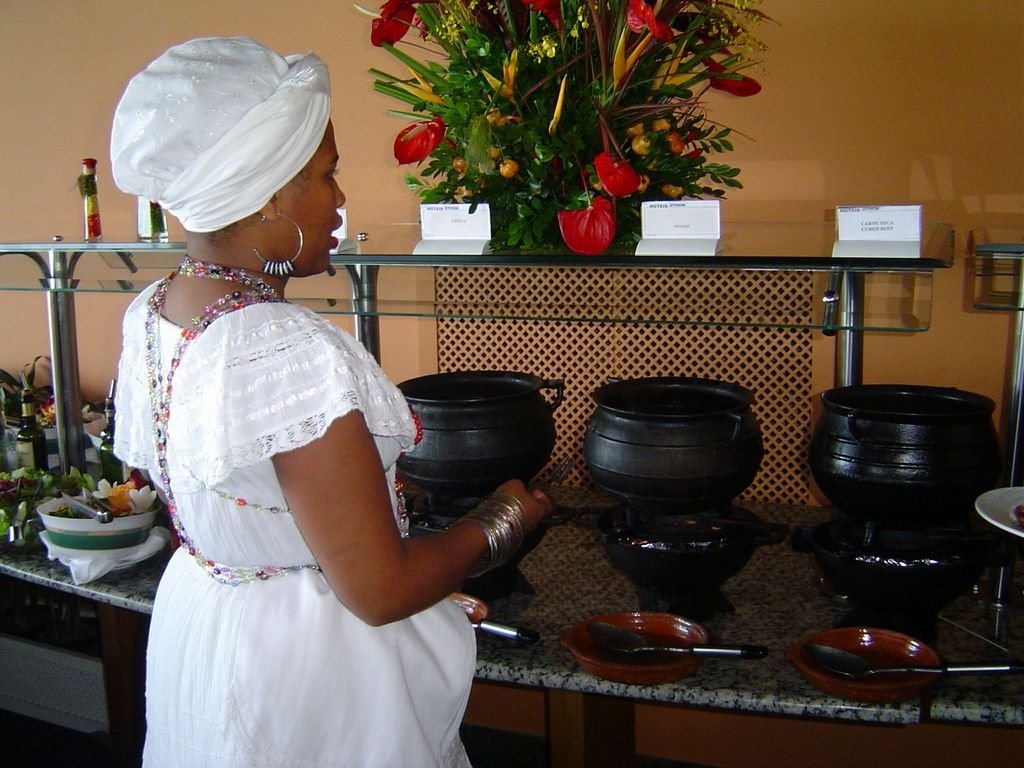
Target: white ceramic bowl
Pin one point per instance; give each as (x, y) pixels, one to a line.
(87, 533)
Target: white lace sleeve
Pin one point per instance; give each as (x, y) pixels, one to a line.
(133, 436)
(271, 378)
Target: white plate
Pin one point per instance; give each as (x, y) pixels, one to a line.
(996, 506)
(124, 553)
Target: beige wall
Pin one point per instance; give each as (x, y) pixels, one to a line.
(865, 101)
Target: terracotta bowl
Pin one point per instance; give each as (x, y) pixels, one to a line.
(647, 669)
(881, 647)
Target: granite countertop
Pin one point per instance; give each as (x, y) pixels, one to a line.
(776, 599)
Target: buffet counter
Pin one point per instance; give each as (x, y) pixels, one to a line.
(776, 599)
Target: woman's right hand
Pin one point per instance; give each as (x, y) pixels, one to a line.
(536, 504)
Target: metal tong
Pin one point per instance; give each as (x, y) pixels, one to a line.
(101, 516)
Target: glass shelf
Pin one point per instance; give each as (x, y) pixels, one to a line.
(897, 291)
(996, 268)
(383, 277)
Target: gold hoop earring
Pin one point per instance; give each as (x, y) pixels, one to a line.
(281, 268)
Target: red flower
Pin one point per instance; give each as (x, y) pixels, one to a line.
(395, 19)
(415, 142)
(745, 86)
(590, 230)
(617, 176)
(552, 10)
(640, 16)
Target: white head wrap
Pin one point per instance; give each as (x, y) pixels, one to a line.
(215, 126)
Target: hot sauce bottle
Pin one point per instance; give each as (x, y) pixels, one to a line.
(90, 201)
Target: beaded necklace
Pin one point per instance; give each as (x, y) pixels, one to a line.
(160, 388)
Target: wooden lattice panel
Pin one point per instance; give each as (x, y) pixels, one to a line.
(774, 362)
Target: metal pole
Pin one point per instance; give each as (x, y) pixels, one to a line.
(849, 368)
(1000, 577)
(364, 295)
(64, 359)
(1013, 467)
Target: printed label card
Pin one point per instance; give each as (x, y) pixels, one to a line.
(680, 228)
(886, 231)
(454, 228)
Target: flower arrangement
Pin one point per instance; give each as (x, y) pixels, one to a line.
(12, 387)
(564, 114)
(132, 497)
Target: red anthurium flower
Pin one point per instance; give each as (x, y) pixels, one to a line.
(617, 176)
(745, 86)
(552, 10)
(415, 142)
(640, 16)
(395, 19)
(590, 230)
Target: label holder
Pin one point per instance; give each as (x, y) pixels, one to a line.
(878, 231)
(680, 228)
(454, 229)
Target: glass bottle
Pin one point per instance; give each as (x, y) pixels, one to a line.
(30, 443)
(93, 229)
(111, 467)
(150, 221)
(8, 439)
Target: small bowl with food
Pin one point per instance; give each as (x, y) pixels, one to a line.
(110, 517)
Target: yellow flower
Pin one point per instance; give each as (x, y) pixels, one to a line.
(619, 59)
(553, 125)
(497, 119)
(639, 51)
(506, 86)
(622, 65)
(421, 89)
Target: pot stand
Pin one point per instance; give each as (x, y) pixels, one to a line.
(898, 572)
(677, 564)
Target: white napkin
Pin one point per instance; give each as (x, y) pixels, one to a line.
(89, 565)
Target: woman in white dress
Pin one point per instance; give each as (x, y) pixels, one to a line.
(297, 624)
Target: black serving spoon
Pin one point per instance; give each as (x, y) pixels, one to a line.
(855, 667)
(621, 640)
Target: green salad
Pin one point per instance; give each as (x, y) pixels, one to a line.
(31, 487)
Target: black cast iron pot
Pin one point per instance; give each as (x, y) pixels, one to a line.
(688, 553)
(672, 445)
(480, 428)
(915, 571)
(904, 454)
